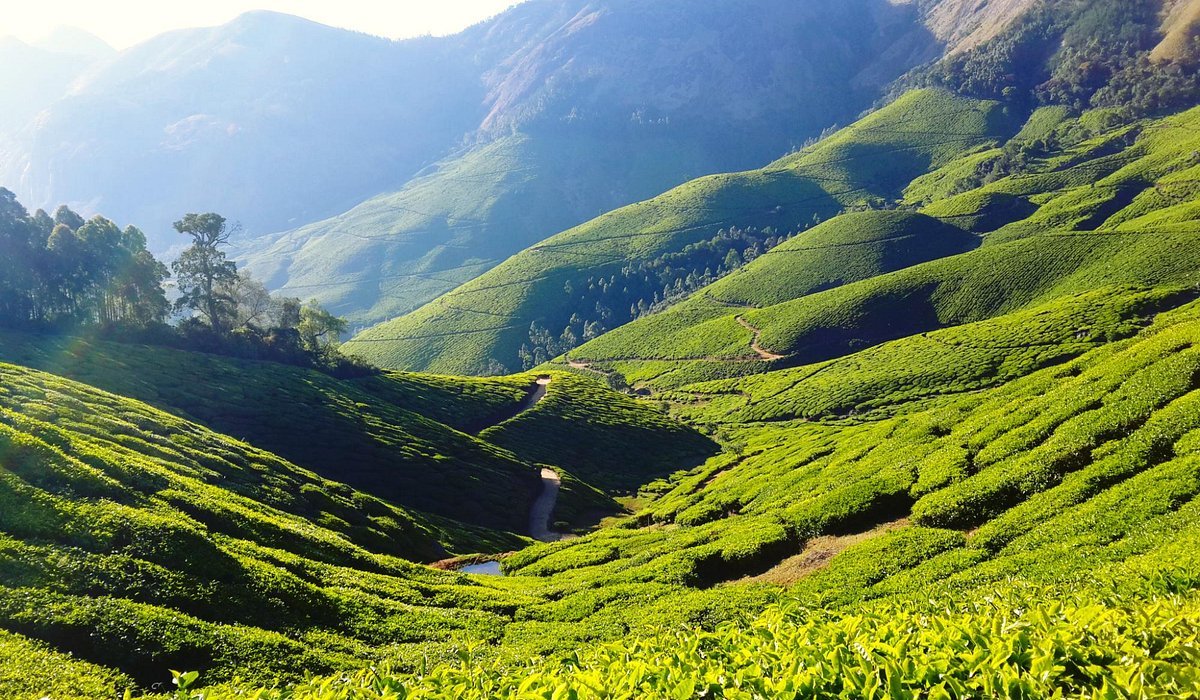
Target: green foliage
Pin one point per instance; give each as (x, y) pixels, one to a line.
(1017, 644)
(1078, 55)
(947, 361)
(30, 669)
(203, 272)
(609, 440)
(868, 163)
(1108, 205)
(347, 430)
(68, 272)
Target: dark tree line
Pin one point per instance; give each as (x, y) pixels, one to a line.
(63, 273)
(600, 303)
(1081, 55)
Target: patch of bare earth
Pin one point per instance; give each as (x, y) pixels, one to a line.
(817, 554)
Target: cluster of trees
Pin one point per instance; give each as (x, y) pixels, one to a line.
(1014, 158)
(231, 312)
(63, 273)
(1080, 55)
(1147, 87)
(600, 303)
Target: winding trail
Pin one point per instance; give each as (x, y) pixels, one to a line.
(543, 506)
(762, 353)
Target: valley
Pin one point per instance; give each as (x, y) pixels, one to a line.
(861, 361)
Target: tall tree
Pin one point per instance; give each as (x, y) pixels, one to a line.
(15, 274)
(320, 331)
(203, 273)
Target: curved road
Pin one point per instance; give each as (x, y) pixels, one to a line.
(543, 505)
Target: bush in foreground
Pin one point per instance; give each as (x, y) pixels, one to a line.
(1018, 644)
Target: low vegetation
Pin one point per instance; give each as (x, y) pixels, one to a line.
(488, 319)
(1012, 644)
(939, 440)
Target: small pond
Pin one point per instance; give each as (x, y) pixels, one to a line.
(490, 568)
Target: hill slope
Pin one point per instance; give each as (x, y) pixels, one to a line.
(489, 317)
(1082, 471)
(348, 431)
(610, 106)
(135, 539)
(1111, 208)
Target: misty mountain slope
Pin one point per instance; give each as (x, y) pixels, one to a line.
(34, 76)
(393, 252)
(613, 106)
(269, 119)
(489, 317)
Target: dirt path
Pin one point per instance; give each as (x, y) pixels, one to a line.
(762, 353)
(543, 508)
(535, 394)
(538, 393)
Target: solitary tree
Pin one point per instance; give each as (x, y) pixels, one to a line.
(203, 273)
(320, 331)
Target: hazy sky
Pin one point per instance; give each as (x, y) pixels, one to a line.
(123, 23)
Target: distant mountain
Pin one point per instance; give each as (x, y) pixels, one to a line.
(73, 41)
(270, 119)
(595, 105)
(34, 76)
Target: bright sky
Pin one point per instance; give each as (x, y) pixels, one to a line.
(123, 23)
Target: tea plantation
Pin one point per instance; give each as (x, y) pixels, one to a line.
(943, 444)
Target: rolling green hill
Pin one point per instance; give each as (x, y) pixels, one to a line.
(1061, 501)
(349, 431)
(844, 249)
(1112, 208)
(488, 318)
(138, 541)
(913, 412)
(135, 539)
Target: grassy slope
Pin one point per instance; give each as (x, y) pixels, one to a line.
(411, 439)
(1114, 209)
(1059, 475)
(140, 541)
(488, 317)
(395, 252)
(944, 362)
(1072, 466)
(1015, 643)
(612, 441)
(372, 434)
(1063, 503)
(844, 249)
